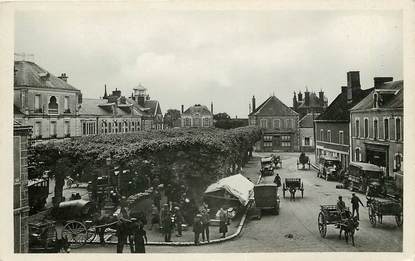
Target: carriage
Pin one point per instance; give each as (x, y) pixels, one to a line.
(379, 207)
(361, 175)
(329, 168)
(303, 160)
(267, 166)
(277, 161)
(38, 193)
(266, 197)
(293, 184)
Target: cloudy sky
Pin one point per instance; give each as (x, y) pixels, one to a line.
(189, 57)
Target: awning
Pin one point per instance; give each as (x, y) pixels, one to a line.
(236, 185)
(366, 166)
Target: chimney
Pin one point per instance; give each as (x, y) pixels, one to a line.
(182, 108)
(253, 103)
(211, 107)
(379, 81)
(307, 98)
(300, 96)
(295, 104)
(105, 92)
(63, 77)
(344, 89)
(116, 93)
(321, 97)
(353, 79)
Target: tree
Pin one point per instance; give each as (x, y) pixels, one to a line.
(170, 117)
(221, 116)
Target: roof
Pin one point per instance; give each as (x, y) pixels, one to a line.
(366, 166)
(314, 101)
(307, 120)
(273, 106)
(197, 108)
(153, 106)
(396, 101)
(338, 110)
(237, 185)
(91, 107)
(30, 74)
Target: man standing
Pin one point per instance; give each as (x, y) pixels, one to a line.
(355, 205)
(205, 222)
(166, 223)
(277, 180)
(197, 227)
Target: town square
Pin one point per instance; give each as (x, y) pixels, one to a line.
(207, 131)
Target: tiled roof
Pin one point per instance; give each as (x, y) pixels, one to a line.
(91, 107)
(307, 120)
(338, 110)
(396, 101)
(273, 106)
(197, 108)
(29, 74)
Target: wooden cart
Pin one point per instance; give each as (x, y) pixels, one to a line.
(379, 207)
(293, 183)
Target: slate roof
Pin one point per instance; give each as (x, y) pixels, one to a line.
(307, 120)
(91, 107)
(313, 102)
(197, 108)
(29, 74)
(396, 101)
(153, 106)
(273, 106)
(338, 110)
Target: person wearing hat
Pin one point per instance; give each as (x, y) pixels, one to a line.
(223, 221)
(341, 206)
(355, 205)
(178, 220)
(204, 211)
(197, 227)
(121, 234)
(166, 223)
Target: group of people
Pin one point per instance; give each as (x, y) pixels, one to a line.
(341, 206)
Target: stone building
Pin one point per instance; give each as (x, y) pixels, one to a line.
(377, 126)
(197, 116)
(279, 123)
(306, 126)
(21, 134)
(310, 103)
(47, 103)
(332, 126)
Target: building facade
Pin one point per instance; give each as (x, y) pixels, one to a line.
(46, 102)
(332, 126)
(197, 116)
(310, 103)
(21, 134)
(307, 137)
(279, 124)
(377, 127)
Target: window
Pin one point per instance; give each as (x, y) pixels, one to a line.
(386, 129)
(276, 124)
(287, 122)
(329, 135)
(66, 104)
(125, 126)
(133, 126)
(267, 144)
(357, 154)
(375, 100)
(375, 129)
(109, 127)
(53, 129)
(307, 141)
(292, 124)
(66, 129)
(37, 103)
(263, 123)
(398, 128)
(267, 138)
(196, 122)
(398, 162)
(206, 122)
(321, 134)
(253, 121)
(53, 105)
(38, 129)
(120, 127)
(357, 128)
(286, 137)
(366, 128)
(187, 122)
(341, 137)
(285, 144)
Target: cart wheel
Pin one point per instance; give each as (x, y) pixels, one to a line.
(76, 233)
(322, 225)
(372, 216)
(91, 235)
(399, 220)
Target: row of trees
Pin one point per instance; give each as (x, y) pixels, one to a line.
(194, 156)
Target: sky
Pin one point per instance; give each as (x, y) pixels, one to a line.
(224, 57)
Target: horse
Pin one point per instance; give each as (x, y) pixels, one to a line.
(349, 225)
(292, 193)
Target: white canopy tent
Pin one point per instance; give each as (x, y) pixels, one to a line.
(236, 185)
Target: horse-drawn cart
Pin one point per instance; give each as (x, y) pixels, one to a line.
(276, 159)
(292, 185)
(379, 207)
(303, 160)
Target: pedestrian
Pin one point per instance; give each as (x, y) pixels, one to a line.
(178, 219)
(140, 238)
(132, 231)
(155, 218)
(156, 198)
(197, 227)
(223, 221)
(61, 242)
(168, 193)
(121, 235)
(277, 180)
(205, 222)
(355, 205)
(166, 223)
(341, 207)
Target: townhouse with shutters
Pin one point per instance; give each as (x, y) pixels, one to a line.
(279, 123)
(377, 127)
(55, 109)
(332, 126)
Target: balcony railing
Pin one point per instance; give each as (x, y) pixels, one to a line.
(53, 111)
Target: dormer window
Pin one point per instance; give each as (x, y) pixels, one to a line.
(53, 105)
(375, 100)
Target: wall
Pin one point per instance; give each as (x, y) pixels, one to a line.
(306, 132)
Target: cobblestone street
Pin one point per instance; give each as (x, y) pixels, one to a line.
(295, 228)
